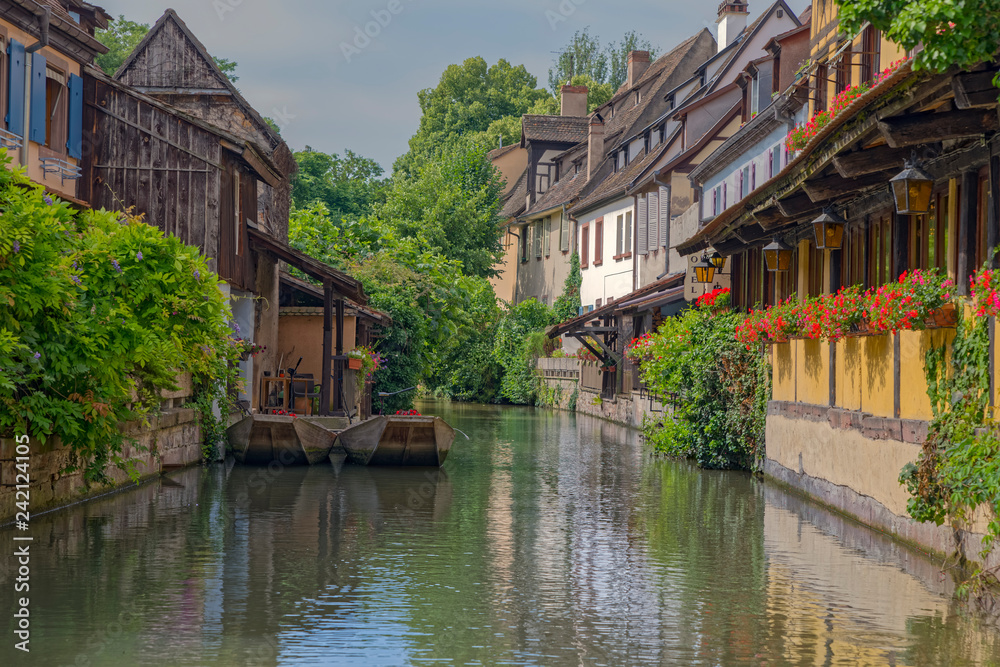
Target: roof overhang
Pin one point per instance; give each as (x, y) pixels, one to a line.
(342, 283)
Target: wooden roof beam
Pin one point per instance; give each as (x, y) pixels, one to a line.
(829, 187)
(880, 158)
(917, 129)
(974, 90)
(797, 205)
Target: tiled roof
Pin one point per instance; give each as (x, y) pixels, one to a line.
(566, 129)
(500, 152)
(616, 185)
(564, 191)
(515, 201)
(578, 324)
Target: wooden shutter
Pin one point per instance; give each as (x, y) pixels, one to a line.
(538, 239)
(654, 220)
(627, 245)
(664, 216)
(548, 236)
(599, 241)
(715, 202)
(564, 233)
(74, 140)
(36, 128)
(619, 236)
(753, 177)
(642, 225)
(15, 96)
(585, 246)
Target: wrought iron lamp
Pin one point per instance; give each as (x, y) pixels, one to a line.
(718, 260)
(829, 230)
(778, 256)
(911, 188)
(704, 271)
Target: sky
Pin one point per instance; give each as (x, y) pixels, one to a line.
(314, 67)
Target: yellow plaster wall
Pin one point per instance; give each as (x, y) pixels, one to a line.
(812, 372)
(877, 389)
(783, 371)
(842, 457)
(849, 373)
(913, 347)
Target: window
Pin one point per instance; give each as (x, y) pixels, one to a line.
(627, 244)
(816, 257)
(880, 250)
(585, 246)
(56, 104)
(774, 161)
(619, 236)
(844, 70)
(776, 73)
(548, 236)
(525, 232)
(982, 216)
(537, 238)
(564, 233)
(819, 89)
(598, 241)
(754, 95)
(871, 45)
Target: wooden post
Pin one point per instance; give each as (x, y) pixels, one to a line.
(967, 230)
(324, 394)
(994, 210)
(338, 396)
(900, 246)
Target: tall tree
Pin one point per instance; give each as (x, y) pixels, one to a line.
(121, 38)
(585, 56)
(349, 186)
(952, 33)
(468, 98)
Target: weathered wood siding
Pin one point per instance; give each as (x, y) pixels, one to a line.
(167, 169)
(170, 61)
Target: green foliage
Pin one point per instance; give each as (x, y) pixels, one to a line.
(723, 389)
(961, 33)
(450, 205)
(467, 100)
(959, 465)
(517, 348)
(98, 314)
(349, 186)
(585, 57)
(567, 306)
(121, 38)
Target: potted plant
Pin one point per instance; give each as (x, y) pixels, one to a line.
(364, 361)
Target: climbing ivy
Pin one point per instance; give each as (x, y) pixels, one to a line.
(958, 469)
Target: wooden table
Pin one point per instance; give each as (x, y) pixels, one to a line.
(265, 388)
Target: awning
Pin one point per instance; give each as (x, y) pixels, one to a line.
(578, 325)
(316, 292)
(342, 283)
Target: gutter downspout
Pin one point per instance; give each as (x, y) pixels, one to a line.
(517, 261)
(45, 19)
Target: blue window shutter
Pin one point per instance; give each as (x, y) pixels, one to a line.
(36, 129)
(75, 142)
(15, 97)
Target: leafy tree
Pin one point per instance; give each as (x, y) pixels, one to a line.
(121, 38)
(567, 306)
(98, 314)
(348, 186)
(467, 99)
(515, 349)
(585, 57)
(952, 33)
(452, 204)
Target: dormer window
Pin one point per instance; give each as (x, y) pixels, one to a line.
(638, 97)
(755, 95)
(645, 142)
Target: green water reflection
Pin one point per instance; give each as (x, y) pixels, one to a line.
(547, 539)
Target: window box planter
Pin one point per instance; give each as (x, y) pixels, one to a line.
(943, 317)
(354, 364)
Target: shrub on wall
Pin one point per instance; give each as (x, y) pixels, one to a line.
(723, 384)
(98, 314)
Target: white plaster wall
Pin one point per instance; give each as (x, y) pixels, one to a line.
(613, 278)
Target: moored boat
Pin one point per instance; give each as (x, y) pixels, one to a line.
(261, 439)
(398, 440)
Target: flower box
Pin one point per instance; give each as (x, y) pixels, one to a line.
(354, 364)
(943, 317)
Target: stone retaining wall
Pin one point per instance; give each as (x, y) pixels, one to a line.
(172, 440)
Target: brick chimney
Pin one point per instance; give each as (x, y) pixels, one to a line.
(595, 144)
(574, 101)
(732, 21)
(638, 62)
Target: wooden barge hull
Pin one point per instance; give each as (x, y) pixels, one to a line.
(261, 439)
(398, 441)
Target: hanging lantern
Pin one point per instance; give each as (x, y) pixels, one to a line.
(778, 256)
(704, 271)
(911, 188)
(829, 229)
(718, 260)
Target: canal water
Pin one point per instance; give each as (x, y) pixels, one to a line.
(547, 539)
